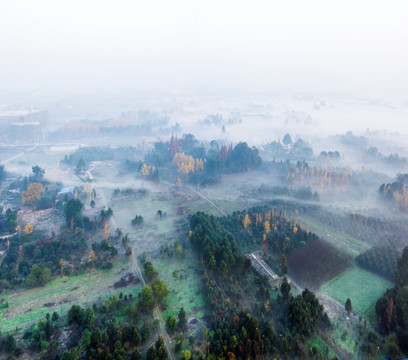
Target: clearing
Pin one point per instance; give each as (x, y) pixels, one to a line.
(362, 287)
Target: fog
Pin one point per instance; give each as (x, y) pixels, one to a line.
(312, 46)
(188, 158)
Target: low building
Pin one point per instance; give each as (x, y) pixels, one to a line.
(67, 191)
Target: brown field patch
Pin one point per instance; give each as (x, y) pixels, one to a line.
(316, 263)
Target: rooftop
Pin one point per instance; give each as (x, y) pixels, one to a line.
(18, 112)
(28, 123)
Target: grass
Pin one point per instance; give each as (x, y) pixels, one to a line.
(28, 306)
(185, 292)
(321, 346)
(347, 342)
(362, 287)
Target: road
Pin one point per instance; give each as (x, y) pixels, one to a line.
(207, 199)
(20, 154)
(332, 307)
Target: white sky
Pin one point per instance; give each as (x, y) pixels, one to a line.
(356, 46)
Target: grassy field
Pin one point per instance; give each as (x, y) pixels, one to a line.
(28, 306)
(362, 287)
(185, 291)
(321, 346)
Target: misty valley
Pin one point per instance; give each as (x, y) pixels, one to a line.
(133, 239)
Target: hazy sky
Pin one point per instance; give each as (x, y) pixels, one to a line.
(355, 46)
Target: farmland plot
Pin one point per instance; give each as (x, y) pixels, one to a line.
(316, 263)
(362, 287)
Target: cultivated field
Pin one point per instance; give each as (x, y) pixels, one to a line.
(362, 287)
(316, 263)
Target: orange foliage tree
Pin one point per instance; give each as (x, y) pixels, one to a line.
(186, 163)
(33, 193)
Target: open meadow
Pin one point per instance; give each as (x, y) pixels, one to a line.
(26, 307)
(362, 287)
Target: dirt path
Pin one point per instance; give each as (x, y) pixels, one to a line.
(138, 273)
(20, 154)
(207, 199)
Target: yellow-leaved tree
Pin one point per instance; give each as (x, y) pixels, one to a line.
(267, 227)
(33, 194)
(28, 229)
(246, 222)
(91, 257)
(61, 264)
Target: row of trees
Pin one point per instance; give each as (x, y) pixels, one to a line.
(197, 165)
(264, 226)
(392, 311)
(395, 192)
(302, 173)
(381, 259)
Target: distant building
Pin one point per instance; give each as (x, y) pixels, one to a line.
(67, 191)
(25, 131)
(22, 125)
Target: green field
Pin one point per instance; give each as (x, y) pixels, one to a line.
(28, 306)
(185, 292)
(362, 287)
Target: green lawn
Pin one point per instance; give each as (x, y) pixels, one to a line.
(362, 287)
(185, 292)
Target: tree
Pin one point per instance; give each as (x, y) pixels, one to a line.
(246, 222)
(28, 229)
(75, 315)
(39, 275)
(10, 345)
(284, 264)
(401, 275)
(182, 319)
(287, 140)
(187, 354)
(299, 315)
(151, 353)
(285, 289)
(179, 250)
(135, 355)
(146, 300)
(2, 173)
(267, 227)
(160, 290)
(91, 257)
(161, 351)
(81, 166)
(55, 316)
(348, 306)
(33, 194)
(89, 318)
(172, 324)
(150, 272)
(73, 210)
(38, 172)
